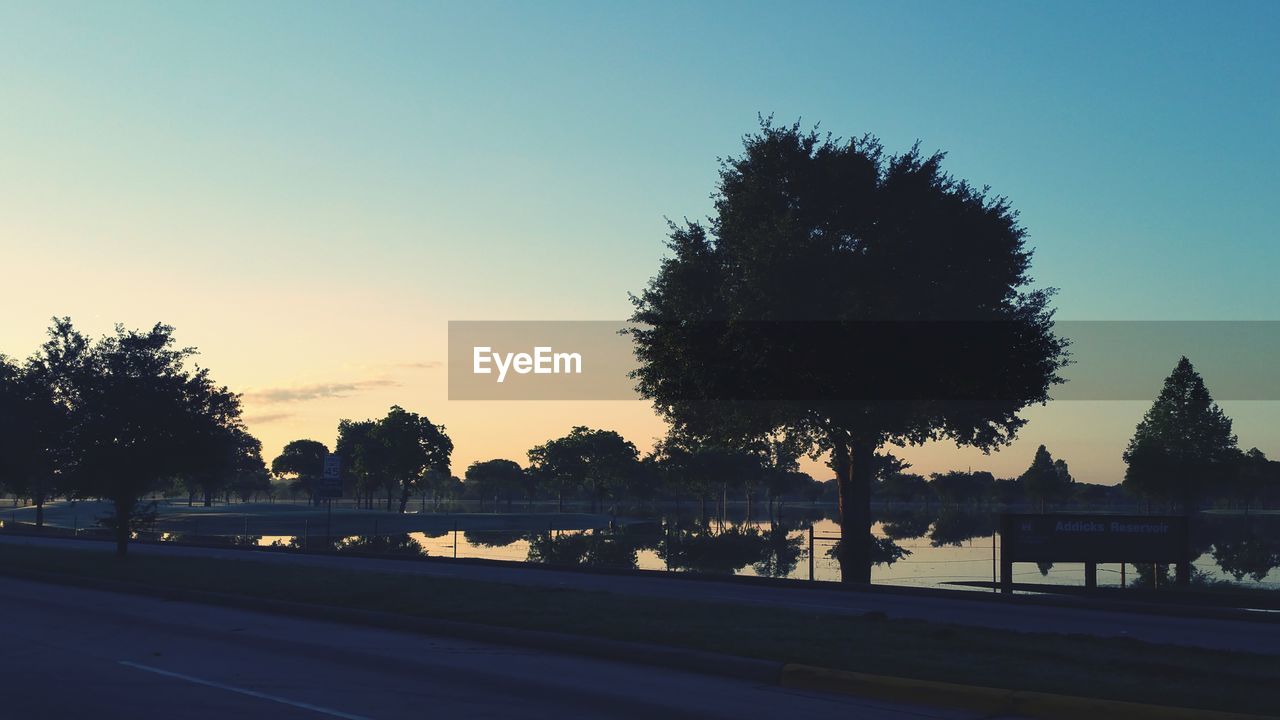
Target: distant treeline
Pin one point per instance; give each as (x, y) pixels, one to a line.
(127, 417)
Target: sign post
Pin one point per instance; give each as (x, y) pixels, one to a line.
(330, 488)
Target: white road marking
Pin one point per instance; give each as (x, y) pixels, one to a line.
(243, 691)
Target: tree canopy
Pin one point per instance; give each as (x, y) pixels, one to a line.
(138, 415)
(851, 298)
(302, 461)
(1047, 480)
(398, 452)
(1184, 445)
(599, 461)
(32, 428)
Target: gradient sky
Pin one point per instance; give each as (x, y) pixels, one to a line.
(309, 191)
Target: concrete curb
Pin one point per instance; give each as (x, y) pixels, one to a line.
(985, 700)
(988, 701)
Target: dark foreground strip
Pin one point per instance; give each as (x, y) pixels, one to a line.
(991, 701)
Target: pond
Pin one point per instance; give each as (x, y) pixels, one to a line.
(918, 547)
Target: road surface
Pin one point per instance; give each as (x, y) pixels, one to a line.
(1221, 634)
(69, 652)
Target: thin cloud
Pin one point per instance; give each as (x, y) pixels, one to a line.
(267, 418)
(424, 365)
(301, 393)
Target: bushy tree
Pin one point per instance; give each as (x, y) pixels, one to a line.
(32, 431)
(852, 299)
(1255, 479)
(138, 415)
(597, 461)
(961, 486)
(396, 453)
(412, 446)
(362, 460)
(705, 469)
(496, 478)
(302, 463)
(904, 487)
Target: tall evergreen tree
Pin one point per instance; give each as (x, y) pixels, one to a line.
(1183, 446)
(1047, 480)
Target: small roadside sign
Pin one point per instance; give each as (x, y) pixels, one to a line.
(331, 477)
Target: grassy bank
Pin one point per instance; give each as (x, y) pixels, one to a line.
(1106, 668)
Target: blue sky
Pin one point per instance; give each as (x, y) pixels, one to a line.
(310, 190)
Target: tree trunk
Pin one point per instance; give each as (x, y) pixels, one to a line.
(404, 498)
(852, 462)
(123, 510)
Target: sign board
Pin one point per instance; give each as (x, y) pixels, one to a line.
(1094, 538)
(331, 477)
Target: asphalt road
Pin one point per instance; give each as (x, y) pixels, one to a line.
(73, 653)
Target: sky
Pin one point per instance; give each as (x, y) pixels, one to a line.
(310, 191)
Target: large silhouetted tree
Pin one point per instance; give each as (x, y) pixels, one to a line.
(1256, 479)
(598, 461)
(32, 431)
(851, 298)
(704, 469)
(412, 446)
(138, 416)
(395, 452)
(229, 459)
(1183, 446)
(496, 478)
(362, 457)
(302, 462)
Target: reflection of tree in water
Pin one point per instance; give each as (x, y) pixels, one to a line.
(884, 551)
(312, 542)
(701, 550)
(1145, 573)
(956, 528)
(1247, 553)
(231, 540)
(780, 552)
(594, 549)
(906, 523)
(394, 544)
(493, 538)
